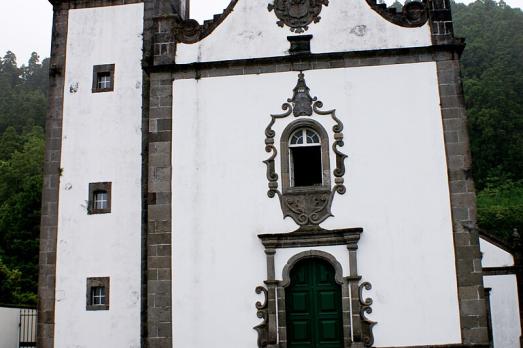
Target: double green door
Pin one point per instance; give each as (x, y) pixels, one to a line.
(313, 306)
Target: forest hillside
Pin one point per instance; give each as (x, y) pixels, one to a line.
(493, 83)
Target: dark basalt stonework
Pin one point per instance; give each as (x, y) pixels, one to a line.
(190, 31)
(297, 14)
(413, 14)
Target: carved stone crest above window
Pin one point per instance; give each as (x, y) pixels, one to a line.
(297, 14)
(307, 193)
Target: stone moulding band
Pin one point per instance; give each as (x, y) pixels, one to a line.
(303, 62)
(77, 4)
(346, 236)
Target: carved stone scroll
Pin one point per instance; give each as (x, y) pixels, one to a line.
(262, 313)
(190, 31)
(366, 324)
(413, 14)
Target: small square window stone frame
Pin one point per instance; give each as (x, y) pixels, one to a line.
(97, 282)
(96, 187)
(103, 69)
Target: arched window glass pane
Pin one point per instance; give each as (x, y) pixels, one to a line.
(297, 137)
(305, 137)
(312, 137)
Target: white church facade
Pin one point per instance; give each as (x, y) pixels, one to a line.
(290, 173)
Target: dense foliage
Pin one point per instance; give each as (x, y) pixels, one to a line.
(23, 104)
(493, 82)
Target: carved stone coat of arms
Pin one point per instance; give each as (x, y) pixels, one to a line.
(297, 14)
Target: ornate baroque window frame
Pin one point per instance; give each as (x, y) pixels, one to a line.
(307, 206)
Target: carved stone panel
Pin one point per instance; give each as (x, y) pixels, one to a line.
(297, 14)
(308, 207)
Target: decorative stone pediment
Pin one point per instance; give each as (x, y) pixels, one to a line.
(297, 14)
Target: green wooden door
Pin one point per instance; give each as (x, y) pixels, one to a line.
(313, 306)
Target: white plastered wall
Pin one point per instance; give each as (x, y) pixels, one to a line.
(250, 31)
(504, 310)
(101, 142)
(397, 191)
(494, 256)
(9, 321)
(504, 303)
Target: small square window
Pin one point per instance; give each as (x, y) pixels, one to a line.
(103, 78)
(99, 198)
(97, 294)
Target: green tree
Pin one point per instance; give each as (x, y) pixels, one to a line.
(23, 92)
(23, 104)
(20, 190)
(9, 284)
(493, 84)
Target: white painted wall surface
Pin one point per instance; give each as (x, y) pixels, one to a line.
(397, 191)
(494, 256)
(504, 309)
(101, 142)
(250, 31)
(9, 321)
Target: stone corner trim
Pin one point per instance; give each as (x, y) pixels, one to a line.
(158, 260)
(50, 191)
(472, 303)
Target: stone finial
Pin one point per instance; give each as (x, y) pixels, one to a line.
(301, 99)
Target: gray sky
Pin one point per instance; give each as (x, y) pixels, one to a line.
(25, 25)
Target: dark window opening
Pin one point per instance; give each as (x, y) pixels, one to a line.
(97, 295)
(305, 157)
(306, 166)
(99, 198)
(103, 78)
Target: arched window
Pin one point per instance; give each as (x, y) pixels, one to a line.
(305, 156)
